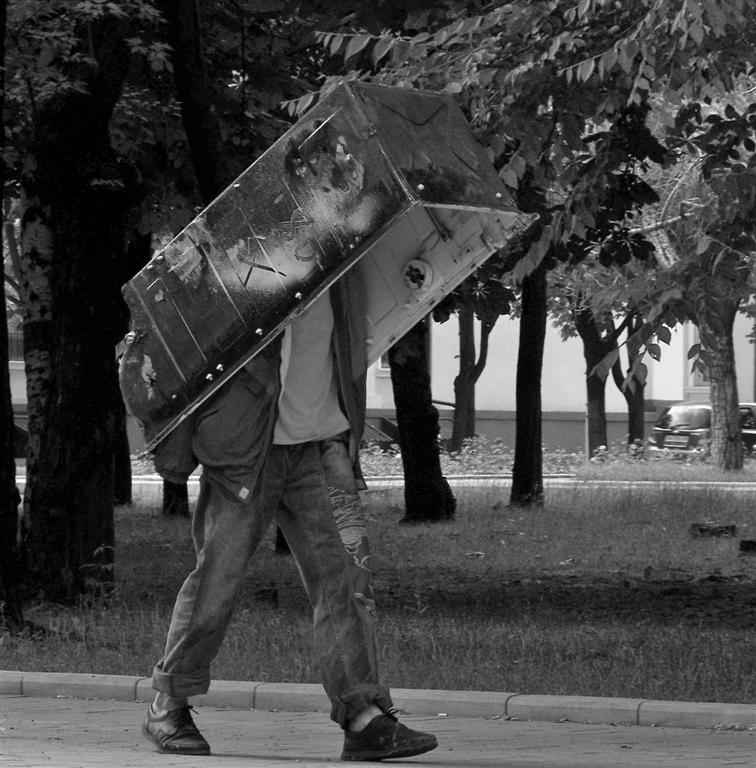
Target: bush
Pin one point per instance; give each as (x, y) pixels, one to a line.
(491, 456)
(478, 456)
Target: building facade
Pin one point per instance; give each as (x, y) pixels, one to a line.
(563, 386)
(563, 383)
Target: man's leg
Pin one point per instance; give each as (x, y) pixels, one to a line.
(344, 636)
(348, 513)
(347, 510)
(226, 532)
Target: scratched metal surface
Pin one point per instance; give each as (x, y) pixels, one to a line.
(370, 171)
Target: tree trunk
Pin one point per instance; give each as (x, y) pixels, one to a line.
(635, 398)
(527, 472)
(427, 495)
(34, 276)
(715, 323)
(75, 234)
(464, 382)
(634, 393)
(595, 388)
(470, 370)
(595, 349)
(121, 459)
(11, 571)
(198, 110)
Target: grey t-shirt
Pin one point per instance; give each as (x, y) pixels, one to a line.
(308, 407)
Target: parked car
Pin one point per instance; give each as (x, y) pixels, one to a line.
(687, 427)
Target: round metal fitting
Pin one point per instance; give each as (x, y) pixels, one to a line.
(418, 275)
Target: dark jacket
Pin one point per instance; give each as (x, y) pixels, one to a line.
(232, 432)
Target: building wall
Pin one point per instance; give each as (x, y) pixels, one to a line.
(745, 357)
(563, 383)
(564, 370)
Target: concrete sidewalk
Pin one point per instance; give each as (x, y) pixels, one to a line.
(84, 733)
(93, 721)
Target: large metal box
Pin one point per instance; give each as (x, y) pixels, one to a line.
(385, 180)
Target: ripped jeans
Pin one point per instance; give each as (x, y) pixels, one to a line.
(347, 511)
(297, 488)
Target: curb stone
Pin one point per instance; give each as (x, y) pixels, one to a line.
(148, 489)
(688, 714)
(67, 684)
(293, 697)
(582, 709)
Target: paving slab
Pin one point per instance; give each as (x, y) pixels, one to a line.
(83, 733)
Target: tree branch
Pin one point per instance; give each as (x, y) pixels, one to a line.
(666, 222)
(615, 334)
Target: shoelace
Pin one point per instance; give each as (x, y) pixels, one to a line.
(392, 713)
(183, 716)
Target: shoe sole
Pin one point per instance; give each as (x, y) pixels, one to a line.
(409, 751)
(199, 751)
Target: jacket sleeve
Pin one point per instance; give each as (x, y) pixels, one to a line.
(174, 458)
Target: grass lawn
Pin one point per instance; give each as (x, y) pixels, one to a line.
(601, 592)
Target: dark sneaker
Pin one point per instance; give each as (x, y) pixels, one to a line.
(384, 738)
(175, 732)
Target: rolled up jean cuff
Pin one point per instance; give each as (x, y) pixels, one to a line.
(357, 699)
(180, 685)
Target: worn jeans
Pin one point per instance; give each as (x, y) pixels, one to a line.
(297, 491)
(347, 511)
